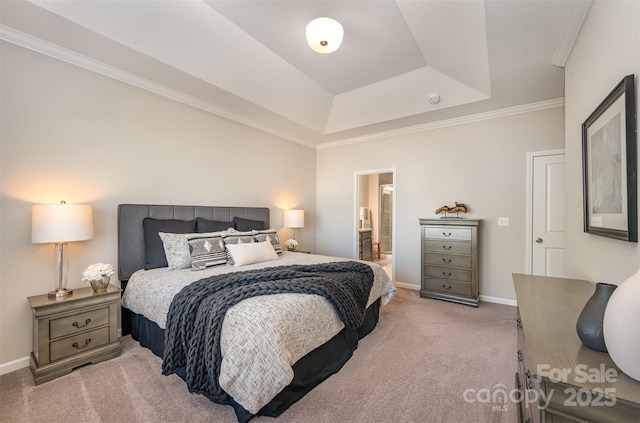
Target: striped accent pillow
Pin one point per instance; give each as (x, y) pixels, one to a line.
(236, 238)
(207, 252)
(270, 235)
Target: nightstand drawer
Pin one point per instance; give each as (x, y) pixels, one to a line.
(78, 322)
(451, 247)
(448, 273)
(81, 342)
(458, 234)
(450, 287)
(448, 260)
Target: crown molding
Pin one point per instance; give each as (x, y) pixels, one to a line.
(494, 114)
(60, 53)
(578, 15)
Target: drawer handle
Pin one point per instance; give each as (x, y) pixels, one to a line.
(446, 234)
(78, 325)
(446, 261)
(446, 247)
(446, 274)
(519, 323)
(529, 385)
(446, 287)
(79, 347)
(528, 373)
(519, 356)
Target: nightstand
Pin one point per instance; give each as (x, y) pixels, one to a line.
(72, 331)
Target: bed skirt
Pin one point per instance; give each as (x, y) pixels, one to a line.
(309, 371)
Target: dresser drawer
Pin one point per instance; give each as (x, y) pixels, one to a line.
(447, 273)
(447, 260)
(448, 286)
(78, 322)
(458, 234)
(81, 342)
(452, 247)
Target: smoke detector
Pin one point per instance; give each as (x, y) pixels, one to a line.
(434, 98)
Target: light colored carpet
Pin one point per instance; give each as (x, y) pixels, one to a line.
(414, 367)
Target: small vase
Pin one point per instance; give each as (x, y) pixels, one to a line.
(589, 324)
(100, 285)
(621, 331)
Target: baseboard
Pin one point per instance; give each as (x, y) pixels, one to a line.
(14, 365)
(407, 286)
(485, 298)
(498, 300)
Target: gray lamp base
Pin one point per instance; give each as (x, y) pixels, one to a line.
(59, 293)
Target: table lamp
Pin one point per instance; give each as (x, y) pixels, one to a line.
(293, 219)
(60, 224)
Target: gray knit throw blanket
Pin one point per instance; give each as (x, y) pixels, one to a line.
(194, 322)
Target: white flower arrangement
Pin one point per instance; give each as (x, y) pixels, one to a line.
(291, 244)
(96, 272)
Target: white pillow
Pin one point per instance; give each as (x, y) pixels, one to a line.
(251, 252)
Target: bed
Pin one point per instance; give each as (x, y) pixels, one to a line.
(272, 349)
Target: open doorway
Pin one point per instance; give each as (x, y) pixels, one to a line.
(375, 217)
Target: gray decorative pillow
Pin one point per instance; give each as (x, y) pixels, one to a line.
(176, 249)
(270, 235)
(207, 252)
(236, 237)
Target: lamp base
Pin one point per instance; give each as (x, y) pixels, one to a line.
(60, 293)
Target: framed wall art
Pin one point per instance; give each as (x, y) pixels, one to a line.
(609, 165)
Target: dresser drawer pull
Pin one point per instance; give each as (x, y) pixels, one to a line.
(519, 323)
(446, 247)
(528, 373)
(446, 260)
(446, 274)
(519, 356)
(446, 287)
(446, 234)
(79, 347)
(78, 325)
(529, 385)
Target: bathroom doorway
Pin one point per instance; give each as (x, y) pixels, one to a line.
(375, 217)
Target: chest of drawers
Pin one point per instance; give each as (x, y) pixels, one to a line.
(75, 330)
(449, 264)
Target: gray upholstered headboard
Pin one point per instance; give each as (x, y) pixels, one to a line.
(131, 233)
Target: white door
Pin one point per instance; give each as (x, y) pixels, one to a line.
(547, 230)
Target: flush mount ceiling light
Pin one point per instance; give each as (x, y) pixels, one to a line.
(324, 35)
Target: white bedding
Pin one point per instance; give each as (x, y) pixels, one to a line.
(262, 337)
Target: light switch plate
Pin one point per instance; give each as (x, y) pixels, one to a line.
(503, 221)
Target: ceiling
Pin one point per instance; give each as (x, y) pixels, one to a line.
(247, 60)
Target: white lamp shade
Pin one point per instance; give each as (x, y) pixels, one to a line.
(293, 218)
(324, 35)
(620, 326)
(61, 223)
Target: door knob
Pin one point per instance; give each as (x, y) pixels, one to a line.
(539, 240)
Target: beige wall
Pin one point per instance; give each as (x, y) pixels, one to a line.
(71, 134)
(607, 49)
(482, 164)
